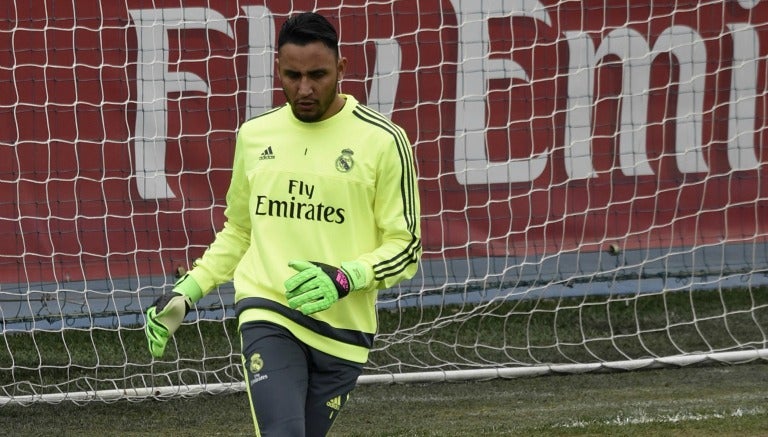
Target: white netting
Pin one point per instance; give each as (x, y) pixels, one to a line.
(592, 176)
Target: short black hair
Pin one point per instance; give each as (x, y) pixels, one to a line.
(308, 27)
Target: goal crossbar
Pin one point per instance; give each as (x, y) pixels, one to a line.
(406, 378)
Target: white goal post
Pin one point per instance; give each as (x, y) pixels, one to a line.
(593, 181)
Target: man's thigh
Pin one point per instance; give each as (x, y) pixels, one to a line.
(277, 379)
(331, 380)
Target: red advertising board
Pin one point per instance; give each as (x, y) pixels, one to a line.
(538, 127)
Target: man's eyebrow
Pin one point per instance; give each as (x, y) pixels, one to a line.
(315, 70)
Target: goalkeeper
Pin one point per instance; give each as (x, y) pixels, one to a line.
(322, 212)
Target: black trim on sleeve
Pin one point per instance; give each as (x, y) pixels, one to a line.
(408, 185)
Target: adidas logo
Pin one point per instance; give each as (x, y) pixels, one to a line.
(334, 403)
(267, 154)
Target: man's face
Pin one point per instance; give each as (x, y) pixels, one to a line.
(309, 75)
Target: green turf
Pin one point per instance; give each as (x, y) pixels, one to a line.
(691, 401)
(504, 333)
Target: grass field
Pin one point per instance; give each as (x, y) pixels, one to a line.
(714, 399)
(692, 401)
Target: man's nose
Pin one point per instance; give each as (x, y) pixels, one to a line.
(305, 87)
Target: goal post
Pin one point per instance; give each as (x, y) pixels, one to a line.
(592, 177)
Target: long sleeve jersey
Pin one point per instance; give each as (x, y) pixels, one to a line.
(340, 189)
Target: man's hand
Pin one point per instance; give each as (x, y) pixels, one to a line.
(165, 315)
(163, 319)
(317, 286)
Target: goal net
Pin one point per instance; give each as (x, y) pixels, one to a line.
(592, 174)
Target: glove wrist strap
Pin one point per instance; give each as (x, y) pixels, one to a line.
(187, 286)
(356, 274)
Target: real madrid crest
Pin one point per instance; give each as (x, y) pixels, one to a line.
(256, 363)
(345, 162)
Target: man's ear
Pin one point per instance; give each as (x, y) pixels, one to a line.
(277, 69)
(341, 68)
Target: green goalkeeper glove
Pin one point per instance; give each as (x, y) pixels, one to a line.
(167, 312)
(317, 286)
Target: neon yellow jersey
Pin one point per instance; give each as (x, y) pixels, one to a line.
(341, 189)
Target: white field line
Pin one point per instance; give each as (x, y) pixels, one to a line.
(642, 417)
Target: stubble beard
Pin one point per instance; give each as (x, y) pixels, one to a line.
(322, 107)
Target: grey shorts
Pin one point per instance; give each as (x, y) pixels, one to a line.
(294, 390)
